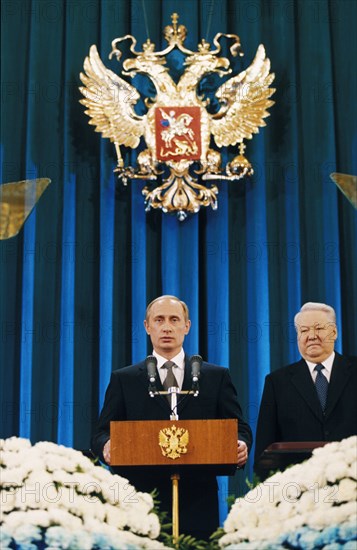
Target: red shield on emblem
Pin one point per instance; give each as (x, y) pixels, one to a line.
(178, 133)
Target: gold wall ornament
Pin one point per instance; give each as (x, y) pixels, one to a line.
(17, 200)
(347, 183)
(177, 127)
(173, 441)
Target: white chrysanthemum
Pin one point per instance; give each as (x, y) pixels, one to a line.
(351, 471)
(346, 512)
(335, 470)
(64, 518)
(103, 474)
(28, 497)
(118, 491)
(58, 537)
(81, 540)
(125, 495)
(350, 457)
(347, 490)
(16, 519)
(40, 477)
(98, 512)
(116, 516)
(285, 510)
(11, 459)
(242, 514)
(15, 444)
(339, 514)
(57, 462)
(49, 488)
(12, 477)
(34, 463)
(315, 495)
(147, 500)
(137, 523)
(154, 526)
(64, 478)
(308, 501)
(85, 483)
(48, 447)
(8, 500)
(314, 477)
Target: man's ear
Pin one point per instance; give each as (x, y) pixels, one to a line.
(188, 326)
(146, 326)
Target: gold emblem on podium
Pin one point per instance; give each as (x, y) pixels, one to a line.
(180, 128)
(173, 442)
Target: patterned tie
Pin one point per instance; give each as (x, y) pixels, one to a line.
(170, 379)
(321, 385)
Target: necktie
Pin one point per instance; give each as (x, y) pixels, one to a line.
(321, 385)
(170, 379)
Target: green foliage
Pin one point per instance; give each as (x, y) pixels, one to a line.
(184, 542)
(230, 501)
(214, 538)
(255, 481)
(165, 525)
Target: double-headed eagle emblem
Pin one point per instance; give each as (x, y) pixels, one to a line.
(181, 129)
(173, 441)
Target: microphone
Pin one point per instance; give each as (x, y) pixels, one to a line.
(195, 362)
(151, 363)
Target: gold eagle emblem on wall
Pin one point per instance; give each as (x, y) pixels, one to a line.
(177, 129)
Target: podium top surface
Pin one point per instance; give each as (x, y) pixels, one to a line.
(294, 446)
(281, 454)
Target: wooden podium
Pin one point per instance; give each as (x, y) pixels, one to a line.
(175, 446)
(280, 455)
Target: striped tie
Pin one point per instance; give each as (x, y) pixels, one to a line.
(321, 385)
(170, 379)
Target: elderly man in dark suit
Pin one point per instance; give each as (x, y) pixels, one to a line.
(315, 398)
(127, 398)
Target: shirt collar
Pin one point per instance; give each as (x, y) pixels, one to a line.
(179, 359)
(327, 363)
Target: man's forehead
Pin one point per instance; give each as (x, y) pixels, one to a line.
(167, 306)
(311, 318)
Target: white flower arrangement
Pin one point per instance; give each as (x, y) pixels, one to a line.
(55, 497)
(310, 505)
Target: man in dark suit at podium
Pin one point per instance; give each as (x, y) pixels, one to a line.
(127, 398)
(315, 398)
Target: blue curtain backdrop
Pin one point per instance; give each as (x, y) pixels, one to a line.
(75, 283)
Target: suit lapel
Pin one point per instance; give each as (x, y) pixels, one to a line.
(159, 400)
(340, 376)
(301, 379)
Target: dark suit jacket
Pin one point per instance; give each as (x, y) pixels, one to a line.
(290, 409)
(127, 398)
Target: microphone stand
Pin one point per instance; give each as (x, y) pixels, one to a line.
(173, 392)
(175, 477)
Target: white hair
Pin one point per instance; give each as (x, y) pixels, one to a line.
(316, 306)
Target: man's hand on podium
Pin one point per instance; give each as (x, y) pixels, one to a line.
(242, 454)
(106, 452)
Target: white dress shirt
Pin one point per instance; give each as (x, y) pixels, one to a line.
(327, 363)
(178, 370)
